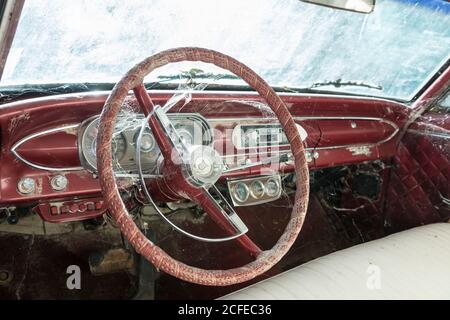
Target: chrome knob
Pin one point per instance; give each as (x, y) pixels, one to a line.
(26, 185)
(59, 182)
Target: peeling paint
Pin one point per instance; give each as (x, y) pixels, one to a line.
(360, 150)
(71, 130)
(15, 121)
(39, 186)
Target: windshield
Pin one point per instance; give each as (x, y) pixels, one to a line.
(391, 52)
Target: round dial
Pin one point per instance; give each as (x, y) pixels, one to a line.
(257, 189)
(89, 144)
(272, 187)
(241, 192)
(148, 142)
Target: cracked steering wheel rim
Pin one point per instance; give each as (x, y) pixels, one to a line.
(154, 254)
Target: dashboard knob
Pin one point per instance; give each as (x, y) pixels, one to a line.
(59, 182)
(26, 185)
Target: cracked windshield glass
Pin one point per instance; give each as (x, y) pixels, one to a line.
(391, 52)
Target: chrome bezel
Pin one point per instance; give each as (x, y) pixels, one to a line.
(53, 184)
(235, 194)
(20, 188)
(277, 183)
(263, 188)
(146, 134)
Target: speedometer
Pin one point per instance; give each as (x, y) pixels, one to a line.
(89, 144)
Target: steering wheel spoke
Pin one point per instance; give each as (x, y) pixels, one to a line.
(143, 98)
(224, 216)
(231, 215)
(165, 134)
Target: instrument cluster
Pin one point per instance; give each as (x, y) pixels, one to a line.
(257, 190)
(192, 128)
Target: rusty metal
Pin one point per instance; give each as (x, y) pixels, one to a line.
(111, 261)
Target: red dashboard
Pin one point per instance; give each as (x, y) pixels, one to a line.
(39, 137)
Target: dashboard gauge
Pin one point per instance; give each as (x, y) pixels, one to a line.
(241, 192)
(148, 142)
(89, 144)
(272, 187)
(185, 136)
(257, 189)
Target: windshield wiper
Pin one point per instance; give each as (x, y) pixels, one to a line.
(194, 74)
(339, 83)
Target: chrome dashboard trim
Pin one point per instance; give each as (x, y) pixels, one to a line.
(237, 119)
(248, 120)
(370, 145)
(38, 134)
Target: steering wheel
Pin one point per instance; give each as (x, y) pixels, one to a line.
(190, 172)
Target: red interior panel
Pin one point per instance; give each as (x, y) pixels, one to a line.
(419, 187)
(319, 115)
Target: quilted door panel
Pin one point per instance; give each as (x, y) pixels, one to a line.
(420, 182)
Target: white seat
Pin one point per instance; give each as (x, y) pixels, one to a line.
(412, 264)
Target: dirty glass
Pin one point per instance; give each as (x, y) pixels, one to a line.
(391, 52)
(446, 101)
